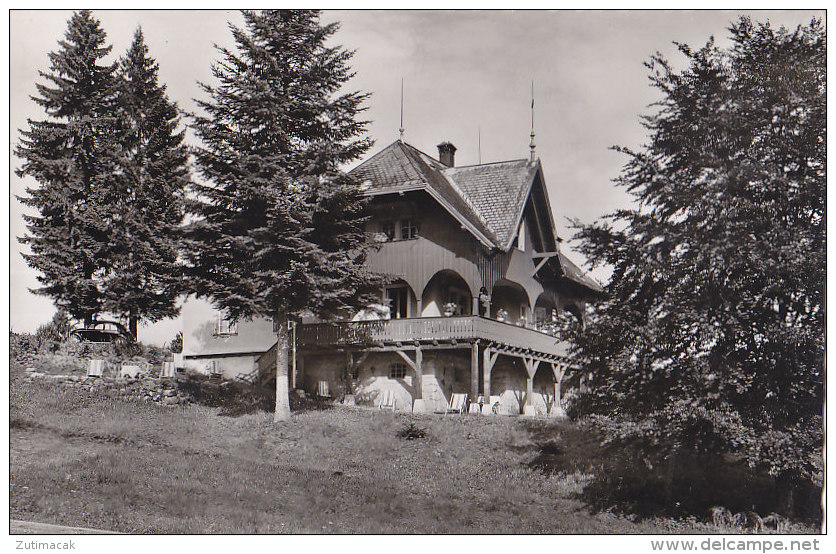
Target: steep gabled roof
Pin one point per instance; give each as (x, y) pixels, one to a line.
(400, 167)
(499, 192)
(487, 199)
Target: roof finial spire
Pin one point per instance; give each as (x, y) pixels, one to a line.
(532, 145)
(479, 143)
(401, 130)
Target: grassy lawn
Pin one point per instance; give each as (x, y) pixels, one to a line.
(86, 459)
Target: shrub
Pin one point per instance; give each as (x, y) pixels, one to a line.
(412, 432)
(176, 344)
(50, 336)
(640, 477)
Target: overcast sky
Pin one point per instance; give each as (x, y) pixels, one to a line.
(465, 73)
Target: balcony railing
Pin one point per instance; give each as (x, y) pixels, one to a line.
(430, 329)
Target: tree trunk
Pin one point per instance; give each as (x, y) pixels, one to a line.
(132, 326)
(282, 399)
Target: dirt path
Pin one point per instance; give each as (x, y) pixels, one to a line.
(17, 527)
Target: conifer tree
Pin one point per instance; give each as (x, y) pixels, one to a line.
(712, 338)
(73, 157)
(143, 277)
(281, 228)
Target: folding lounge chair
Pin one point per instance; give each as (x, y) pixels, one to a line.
(386, 400)
(322, 389)
(458, 404)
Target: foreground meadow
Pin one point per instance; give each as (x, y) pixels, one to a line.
(86, 459)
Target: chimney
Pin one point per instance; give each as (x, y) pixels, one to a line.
(447, 154)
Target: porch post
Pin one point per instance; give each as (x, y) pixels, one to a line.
(419, 374)
(559, 371)
(295, 355)
(474, 371)
(486, 376)
(531, 366)
(299, 381)
(558, 379)
(529, 390)
(349, 366)
(475, 309)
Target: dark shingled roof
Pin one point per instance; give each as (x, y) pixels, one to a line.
(400, 167)
(576, 274)
(488, 199)
(498, 191)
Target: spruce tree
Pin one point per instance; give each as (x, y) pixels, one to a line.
(281, 228)
(143, 277)
(712, 338)
(73, 157)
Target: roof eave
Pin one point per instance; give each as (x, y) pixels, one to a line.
(461, 219)
(519, 215)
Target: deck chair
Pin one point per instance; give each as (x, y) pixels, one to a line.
(322, 389)
(458, 403)
(386, 400)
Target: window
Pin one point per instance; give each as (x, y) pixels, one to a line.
(402, 229)
(461, 299)
(387, 228)
(225, 327)
(524, 315)
(409, 229)
(397, 371)
(398, 300)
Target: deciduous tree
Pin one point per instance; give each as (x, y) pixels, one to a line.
(712, 338)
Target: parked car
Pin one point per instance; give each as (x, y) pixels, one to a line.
(102, 331)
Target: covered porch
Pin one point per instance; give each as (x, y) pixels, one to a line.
(441, 356)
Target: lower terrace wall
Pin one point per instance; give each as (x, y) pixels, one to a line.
(230, 366)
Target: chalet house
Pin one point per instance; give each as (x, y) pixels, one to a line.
(478, 283)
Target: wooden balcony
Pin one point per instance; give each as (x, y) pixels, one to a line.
(428, 331)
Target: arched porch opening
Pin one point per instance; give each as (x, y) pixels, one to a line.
(508, 385)
(510, 303)
(446, 294)
(397, 301)
(576, 311)
(545, 314)
(544, 387)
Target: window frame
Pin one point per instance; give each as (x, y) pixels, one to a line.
(386, 226)
(398, 367)
(224, 327)
(408, 224)
(391, 301)
(455, 295)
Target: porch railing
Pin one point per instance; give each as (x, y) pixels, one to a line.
(464, 328)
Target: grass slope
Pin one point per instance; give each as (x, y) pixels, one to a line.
(87, 460)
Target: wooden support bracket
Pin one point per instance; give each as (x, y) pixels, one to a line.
(531, 365)
(409, 361)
